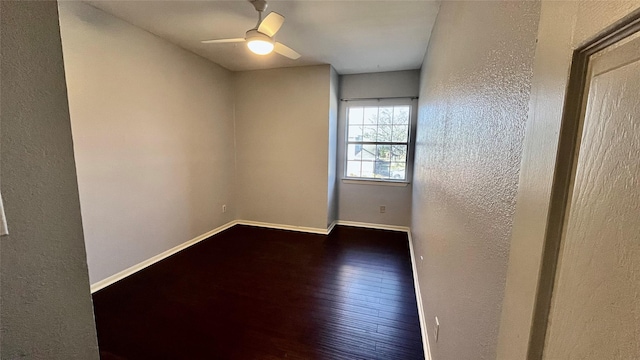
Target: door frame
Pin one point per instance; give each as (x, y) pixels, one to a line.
(565, 166)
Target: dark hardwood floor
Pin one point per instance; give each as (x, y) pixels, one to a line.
(255, 293)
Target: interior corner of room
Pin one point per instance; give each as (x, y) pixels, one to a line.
(162, 146)
(123, 145)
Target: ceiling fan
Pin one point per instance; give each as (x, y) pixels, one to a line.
(260, 39)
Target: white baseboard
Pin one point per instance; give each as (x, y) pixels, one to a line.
(373, 226)
(421, 315)
(284, 227)
(330, 228)
(135, 268)
(321, 231)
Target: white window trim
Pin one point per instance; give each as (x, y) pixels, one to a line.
(413, 102)
(367, 181)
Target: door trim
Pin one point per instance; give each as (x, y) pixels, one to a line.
(566, 161)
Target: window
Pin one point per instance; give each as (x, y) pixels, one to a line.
(378, 142)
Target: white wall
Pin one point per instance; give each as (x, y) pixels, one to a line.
(474, 98)
(46, 310)
(563, 27)
(282, 135)
(153, 135)
(361, 202)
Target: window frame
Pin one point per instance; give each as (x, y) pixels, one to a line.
(408, 101)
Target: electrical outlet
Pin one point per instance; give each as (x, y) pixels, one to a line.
(383, 209)
(224, 208)
(436, 329)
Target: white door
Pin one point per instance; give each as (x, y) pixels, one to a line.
(595, 306)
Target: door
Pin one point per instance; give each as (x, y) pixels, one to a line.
(595, 304)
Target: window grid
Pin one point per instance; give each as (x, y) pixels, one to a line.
(378, 142)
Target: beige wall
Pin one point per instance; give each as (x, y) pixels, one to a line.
(153, 135)
(46, 310)
(332, 191)
(160, 135)
(361, 202)
(563, 27)
(282, 132)
(474, 98)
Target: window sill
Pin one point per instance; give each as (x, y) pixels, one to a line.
(375, 182)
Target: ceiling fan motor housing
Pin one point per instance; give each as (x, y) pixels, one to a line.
(255, 35)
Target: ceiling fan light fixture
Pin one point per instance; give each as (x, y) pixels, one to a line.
(259, 43)
(260, 47)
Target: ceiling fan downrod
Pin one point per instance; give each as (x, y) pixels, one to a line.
(260, 6)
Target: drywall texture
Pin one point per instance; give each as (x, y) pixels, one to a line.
(361, 202)
(597, 287)
(332, 191)
(46, 310)
(153, 134)
(282, 132)
(473, 108)
(563, 27)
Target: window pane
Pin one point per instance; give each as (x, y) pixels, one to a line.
(367, 169)
(355, 115)
(398, 171)
(382, 169)
(400, 133)
(368, 152)
(385, 115)
(384, 152)
(369, 133)
(355, 133)
(401, 114)
(385, 133)
(371, 115)
(399, 153)
(354, 152)
(353, 169)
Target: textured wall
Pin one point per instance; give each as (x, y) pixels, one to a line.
(153, 134)
(282, 135)
(473, 107)
(46, 310)
(361, 202)
(563, 26)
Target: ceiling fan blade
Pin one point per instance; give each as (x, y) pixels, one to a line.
(222, 41)
(284, 50)
(271, 24)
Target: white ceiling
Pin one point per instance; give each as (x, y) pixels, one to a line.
(355, 36)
